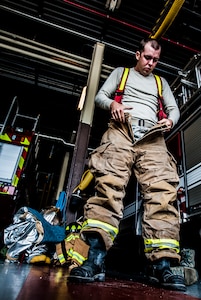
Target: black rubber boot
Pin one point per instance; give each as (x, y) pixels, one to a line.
(93, 269)
(160, 274)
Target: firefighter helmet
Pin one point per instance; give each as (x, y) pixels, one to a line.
(74, 227)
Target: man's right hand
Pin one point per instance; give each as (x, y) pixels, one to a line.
(117, 111)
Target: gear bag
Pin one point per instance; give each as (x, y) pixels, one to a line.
(29, 231)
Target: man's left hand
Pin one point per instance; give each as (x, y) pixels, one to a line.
(167, 122)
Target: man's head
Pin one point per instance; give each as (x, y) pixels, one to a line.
(147, 56)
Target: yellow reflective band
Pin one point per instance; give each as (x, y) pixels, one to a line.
(21, 163)
(5, 137)
(61, 258)
(161, 244)
(15, 180)
(25, 142)
(75, 255)
(123, 80)
(72, 237)
(113, 231)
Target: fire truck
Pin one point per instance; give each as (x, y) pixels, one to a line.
(15, 146)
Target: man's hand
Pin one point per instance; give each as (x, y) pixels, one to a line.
(117, 111)
(167, 122)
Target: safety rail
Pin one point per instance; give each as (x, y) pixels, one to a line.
(14, 109)
(187, 85)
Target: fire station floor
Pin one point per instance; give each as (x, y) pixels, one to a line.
(19, 281)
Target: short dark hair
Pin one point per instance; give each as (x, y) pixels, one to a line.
(154, 44)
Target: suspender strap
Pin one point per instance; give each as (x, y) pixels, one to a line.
(123, 79)
(119, 91)
(161, 114)
(159, 85)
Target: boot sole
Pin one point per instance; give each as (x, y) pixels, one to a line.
(79, 279)
(170, 286)
(174, 287)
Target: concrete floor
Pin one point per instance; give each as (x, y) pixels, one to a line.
(25, 282)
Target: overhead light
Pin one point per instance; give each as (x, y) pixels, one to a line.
(112, 4)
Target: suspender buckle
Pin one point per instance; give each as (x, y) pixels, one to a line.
(141, 122)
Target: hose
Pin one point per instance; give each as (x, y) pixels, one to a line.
(161, 28)
(61, 204)
(85, 181)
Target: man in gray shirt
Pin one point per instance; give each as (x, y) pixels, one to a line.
(134, 143)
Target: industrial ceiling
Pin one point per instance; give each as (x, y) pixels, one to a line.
(46, 49)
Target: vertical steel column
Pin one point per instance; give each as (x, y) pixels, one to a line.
(62, 175)
(86, 118)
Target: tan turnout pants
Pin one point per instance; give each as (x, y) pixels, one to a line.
(112, 164)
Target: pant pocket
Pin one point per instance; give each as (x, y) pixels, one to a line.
(154, 166)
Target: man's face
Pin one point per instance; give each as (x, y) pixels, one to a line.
(147, 60)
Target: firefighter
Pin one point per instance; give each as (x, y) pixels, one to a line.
(134, 142)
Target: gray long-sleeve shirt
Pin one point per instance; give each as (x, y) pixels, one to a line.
(141, 94)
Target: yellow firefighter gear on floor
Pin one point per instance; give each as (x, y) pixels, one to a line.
(40, 259)
(73, 251)
(112, 164)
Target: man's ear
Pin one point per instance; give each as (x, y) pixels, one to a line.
(137, 55)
